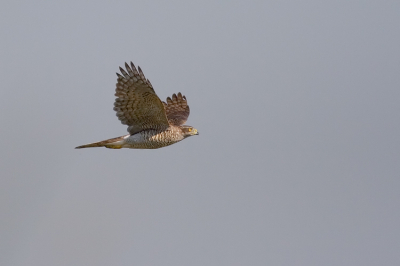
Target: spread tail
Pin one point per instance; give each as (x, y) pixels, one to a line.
(115, 143)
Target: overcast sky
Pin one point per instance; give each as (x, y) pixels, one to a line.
(298, 158)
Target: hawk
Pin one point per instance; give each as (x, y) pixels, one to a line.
(151, 123)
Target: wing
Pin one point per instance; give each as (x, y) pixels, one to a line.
(177, 109)
(137, 105)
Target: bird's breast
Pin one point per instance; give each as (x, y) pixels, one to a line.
(151, 139)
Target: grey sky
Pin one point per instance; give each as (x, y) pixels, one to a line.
(297, 161)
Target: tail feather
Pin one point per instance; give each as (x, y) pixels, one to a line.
(91, 145)
(109, 143)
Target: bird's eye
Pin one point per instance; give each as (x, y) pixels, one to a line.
(189, 129)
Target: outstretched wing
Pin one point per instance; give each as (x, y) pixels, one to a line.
(137, 104)
(177, 109)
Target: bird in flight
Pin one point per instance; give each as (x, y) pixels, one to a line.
(151, 123)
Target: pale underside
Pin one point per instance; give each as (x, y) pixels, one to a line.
(149, 139)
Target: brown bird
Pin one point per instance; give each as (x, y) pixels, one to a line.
(151, 123)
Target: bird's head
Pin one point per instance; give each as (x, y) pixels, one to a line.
(189, 131)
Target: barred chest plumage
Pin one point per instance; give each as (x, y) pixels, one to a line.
(153, 139)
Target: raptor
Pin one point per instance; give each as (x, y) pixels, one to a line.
(151, 122)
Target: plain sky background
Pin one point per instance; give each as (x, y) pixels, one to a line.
(298, 157)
